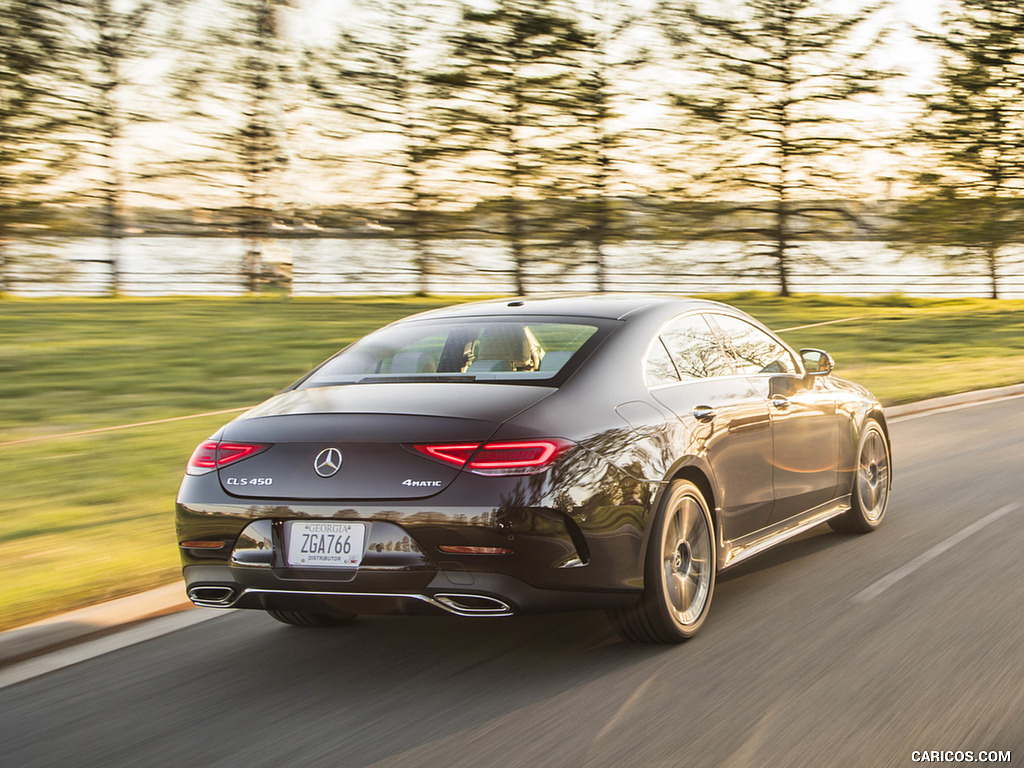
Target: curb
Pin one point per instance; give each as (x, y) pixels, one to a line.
(89, 623)
(94, 621)
(953, 401)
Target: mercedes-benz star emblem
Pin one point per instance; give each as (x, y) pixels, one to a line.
(327, 462)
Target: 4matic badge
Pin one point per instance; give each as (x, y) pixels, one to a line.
(423, 483)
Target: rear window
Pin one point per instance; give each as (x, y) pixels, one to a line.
(504, 350)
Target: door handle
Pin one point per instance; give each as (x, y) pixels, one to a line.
(704, 413)
(778, 401)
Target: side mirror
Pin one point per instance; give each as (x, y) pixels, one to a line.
(817, 362)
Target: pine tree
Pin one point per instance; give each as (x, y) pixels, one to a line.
(768, 109)
(512, 84)
(35, 147)
(105, 44)
(970, 207)
(376, 79)
(593, 172)
(240, 84)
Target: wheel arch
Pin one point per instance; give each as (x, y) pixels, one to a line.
(697, 476)
(689, 468)
(663, 615)
(878, 415)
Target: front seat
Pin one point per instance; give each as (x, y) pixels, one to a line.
(413, 362)
(506, 347)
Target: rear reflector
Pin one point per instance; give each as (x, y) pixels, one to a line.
(212, 455)
(202, 544)
(460, 550)
(517, 457)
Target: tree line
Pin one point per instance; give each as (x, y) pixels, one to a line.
(558, 127)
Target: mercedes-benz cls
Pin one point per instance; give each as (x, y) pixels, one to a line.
(531, 455)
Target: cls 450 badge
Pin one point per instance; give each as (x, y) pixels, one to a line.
(249, 481)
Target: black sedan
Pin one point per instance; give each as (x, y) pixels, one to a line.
(531, 455)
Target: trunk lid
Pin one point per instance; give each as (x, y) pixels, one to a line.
(352, 442)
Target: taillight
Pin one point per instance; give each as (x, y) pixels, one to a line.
(211, 455)
(515, 457)
(457, 454)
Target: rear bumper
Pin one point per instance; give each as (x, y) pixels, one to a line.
(559, 550)
(488, 594)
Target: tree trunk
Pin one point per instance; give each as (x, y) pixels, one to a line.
(782, 268)
(422, 261)
(517, 250)
(418, 217)
(600, 270)
(113, 228)
(781, 249)
(252, 264)
(992, 262)
(114, 252)
(3, 268)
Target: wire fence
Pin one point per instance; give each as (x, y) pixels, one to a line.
(162, 266)
(404, 282)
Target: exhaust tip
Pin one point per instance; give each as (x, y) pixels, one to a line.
(211, 596)
(474, 605)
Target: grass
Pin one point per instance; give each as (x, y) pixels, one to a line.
(90, 517)
(905, 349)
(87, 518)
(78, 364)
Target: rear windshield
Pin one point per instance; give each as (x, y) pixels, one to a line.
(497, 349)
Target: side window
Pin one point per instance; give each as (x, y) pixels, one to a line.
(695, 349)
(755, 350)
(660, 368)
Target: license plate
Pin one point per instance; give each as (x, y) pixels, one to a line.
(325, 545)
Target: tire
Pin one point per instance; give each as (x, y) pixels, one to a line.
(871, 482)
(679, 572)
(303, 619)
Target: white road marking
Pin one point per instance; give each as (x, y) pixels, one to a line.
(44, 438)
(903, 571)
(147, 630)
(622, 712)
(830, 322)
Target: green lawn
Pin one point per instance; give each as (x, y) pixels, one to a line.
(89, 517)
(906, 349)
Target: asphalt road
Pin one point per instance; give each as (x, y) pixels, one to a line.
(832, 650)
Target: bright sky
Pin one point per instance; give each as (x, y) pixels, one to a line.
(313, 21)
(917, 59)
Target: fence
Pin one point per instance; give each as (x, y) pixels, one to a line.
(349, 267)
